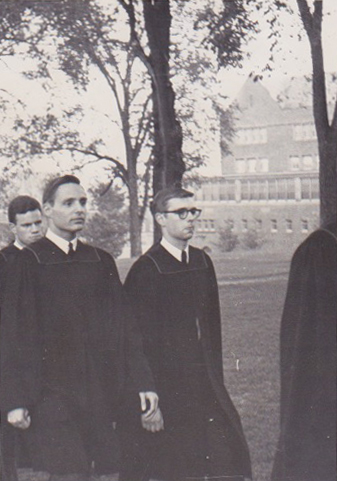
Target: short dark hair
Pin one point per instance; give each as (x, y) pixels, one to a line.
(160, 201)
(52, 186)
(20, 205)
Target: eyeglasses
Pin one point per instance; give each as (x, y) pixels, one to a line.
(183, 213)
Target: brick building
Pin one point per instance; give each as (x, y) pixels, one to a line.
(270, 181)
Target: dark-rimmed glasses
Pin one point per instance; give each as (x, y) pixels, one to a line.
(183, 212)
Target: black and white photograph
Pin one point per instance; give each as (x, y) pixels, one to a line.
(168, 240)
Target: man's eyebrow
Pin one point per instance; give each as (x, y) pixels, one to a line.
(72, 199)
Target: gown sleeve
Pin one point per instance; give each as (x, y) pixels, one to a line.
(214, 317)
(139, 375)
(141, 292)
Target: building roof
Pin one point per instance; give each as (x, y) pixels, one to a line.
(258, 109)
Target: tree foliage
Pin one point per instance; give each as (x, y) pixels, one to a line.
(86, 37)
(228, 240)
(86, 41)
(107, 227)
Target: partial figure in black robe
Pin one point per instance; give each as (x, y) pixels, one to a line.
(70, 345)
(307, 444)
(177, 308)
(7, 432)
(25, 222)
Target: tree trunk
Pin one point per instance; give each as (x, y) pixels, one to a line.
(135, 222)
(326, 133)
(328, 180)
(326, 136)
(169, 166)
(132, 184)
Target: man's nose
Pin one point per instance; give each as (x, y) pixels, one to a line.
(80, 207)
(36, 227)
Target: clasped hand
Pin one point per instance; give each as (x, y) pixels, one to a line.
(152, 418)
(19, 418)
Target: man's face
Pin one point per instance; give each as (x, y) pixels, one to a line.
(67, 215)
(177, 230)
(28, 227)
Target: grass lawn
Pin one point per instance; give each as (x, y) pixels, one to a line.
(251, 316)
(251, 313)
(252, 289)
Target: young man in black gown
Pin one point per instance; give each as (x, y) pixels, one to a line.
(25, 221)
(197, 432)
(70, 345)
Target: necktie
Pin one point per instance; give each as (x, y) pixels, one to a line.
(184, 257)
(71, 250)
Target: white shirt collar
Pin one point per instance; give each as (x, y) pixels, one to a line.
(174, 251)
(18, 244)
(60, 242)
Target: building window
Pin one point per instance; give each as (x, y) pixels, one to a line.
(315, 188)
(245, 190)
(289, 226)
(273, 223)
(263, 190)
(282, 189)
(207, 192)
(244, 225)
(240, 166)
(206, 225)
(304, 132)
(231, 190)
(254, 190)
(258, 224)
(306, 188)
(252, 165)
(307, 162)
(294, 162)
(305, 225)
(291, 188)
(251, 136)
(263, 165)
(272, 189)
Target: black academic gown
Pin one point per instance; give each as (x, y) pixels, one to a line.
(69, 347)
(177, 308)
(7, 256)
(307, 444)
(7, 432)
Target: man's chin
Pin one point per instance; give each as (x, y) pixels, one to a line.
(77, 228)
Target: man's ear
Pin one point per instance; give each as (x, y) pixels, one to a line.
(12, 228)
(160, 218)
(47, 208)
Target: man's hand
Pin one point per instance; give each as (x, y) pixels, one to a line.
(155, 423)
(19, 418)
(152, 399)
